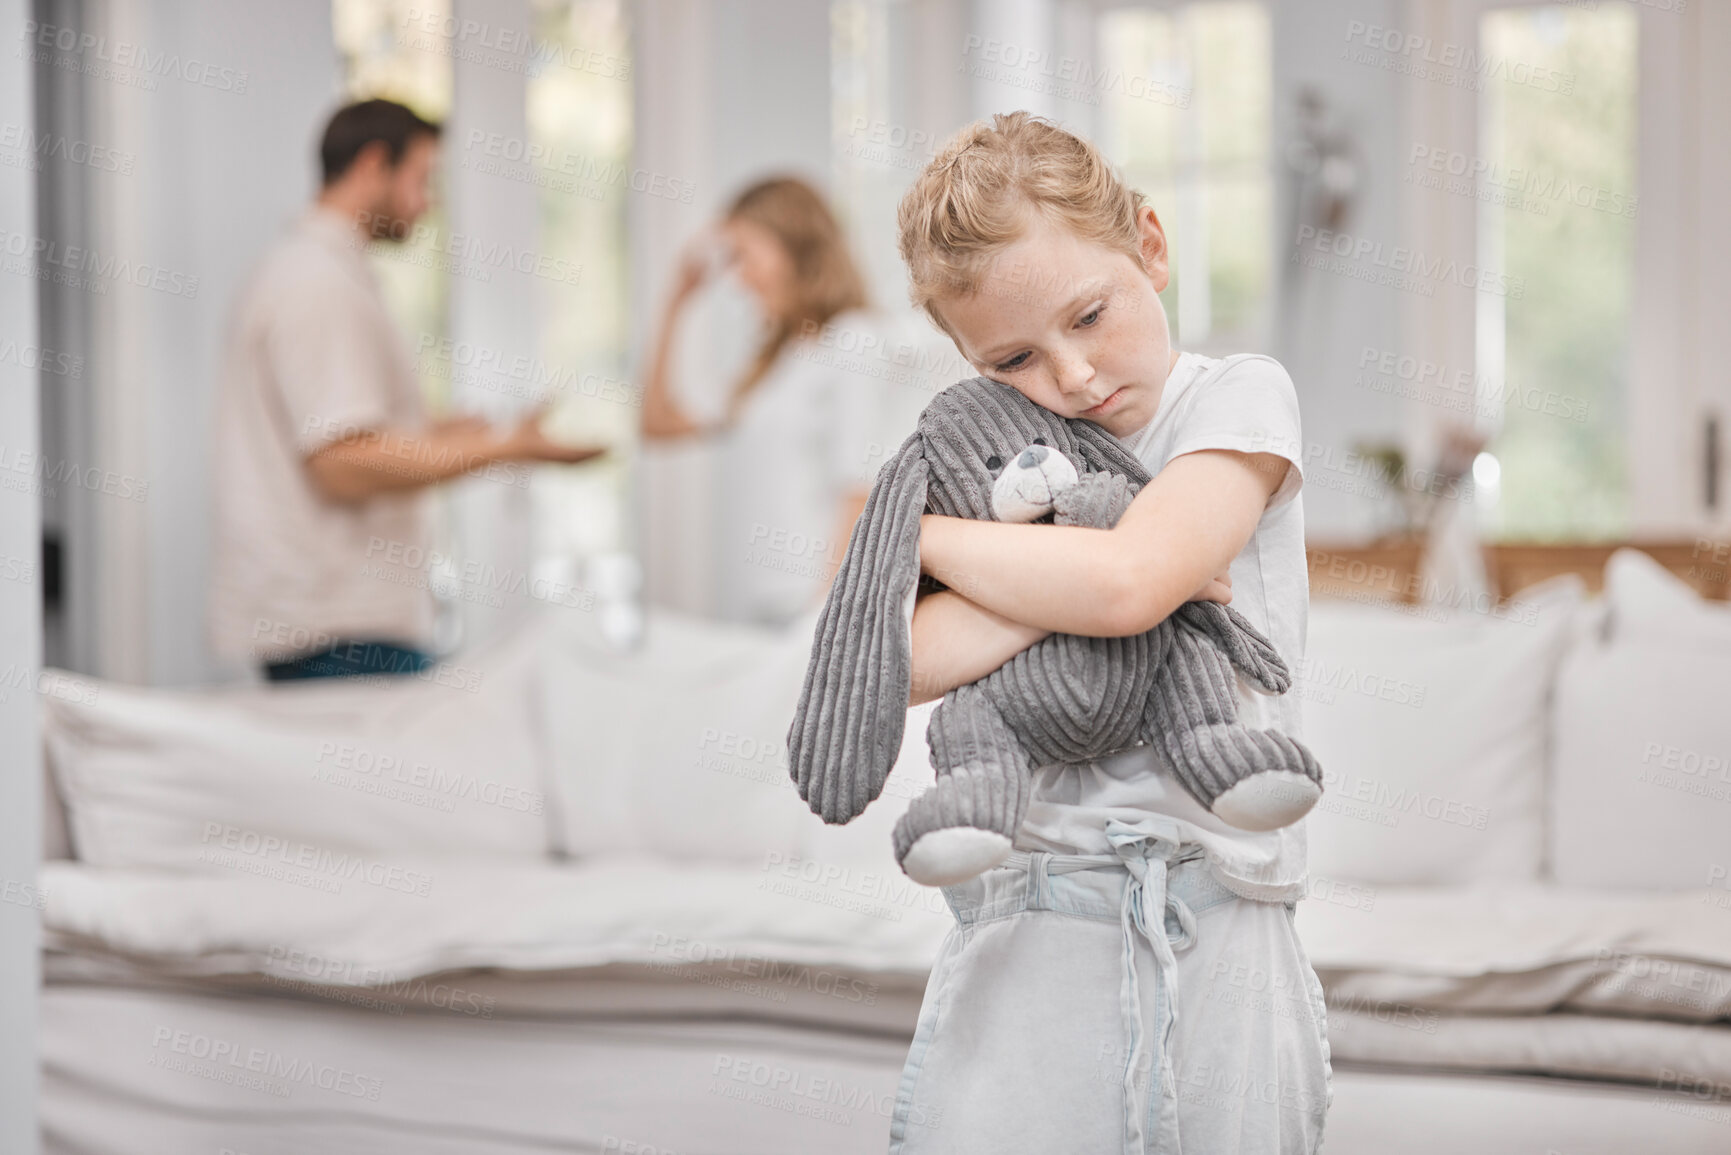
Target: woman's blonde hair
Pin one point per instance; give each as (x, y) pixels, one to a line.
(825, 279)
(975, 197)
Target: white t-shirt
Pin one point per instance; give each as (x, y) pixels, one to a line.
(312, 357)
(825, 417)
(1248, 404)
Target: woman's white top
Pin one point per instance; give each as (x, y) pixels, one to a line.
(1247, 404)
(832, 408)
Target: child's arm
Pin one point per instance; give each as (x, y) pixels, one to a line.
(1185, 526)
(956, 642)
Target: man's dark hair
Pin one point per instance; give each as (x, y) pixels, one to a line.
(355, 126)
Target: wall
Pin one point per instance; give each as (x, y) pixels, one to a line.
(219, 165)
(20, 639)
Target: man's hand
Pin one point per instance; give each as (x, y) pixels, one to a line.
(527, 442)
(378, 462)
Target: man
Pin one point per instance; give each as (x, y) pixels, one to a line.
(324, 449)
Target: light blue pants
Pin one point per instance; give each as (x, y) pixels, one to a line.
(1096, 1004)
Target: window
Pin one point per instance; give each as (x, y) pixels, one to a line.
(580, 118)
(1557, 216)
(877, 154)
(1190, 127)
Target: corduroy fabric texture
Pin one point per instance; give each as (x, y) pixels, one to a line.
(1066, 698)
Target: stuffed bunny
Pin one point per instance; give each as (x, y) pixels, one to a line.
(982, 450)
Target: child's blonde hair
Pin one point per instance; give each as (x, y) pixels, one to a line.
(974, 198)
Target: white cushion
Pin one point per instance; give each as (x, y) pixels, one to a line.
(267, 780)
(1432, 738)
(1522, 948)
(514, 916)
(1642, 771)
(1649, 603)
(677, 748)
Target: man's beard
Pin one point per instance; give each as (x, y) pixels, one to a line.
(383, 224)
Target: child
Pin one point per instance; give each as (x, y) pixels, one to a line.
(1130, 980)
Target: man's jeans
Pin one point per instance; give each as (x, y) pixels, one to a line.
(350, 659)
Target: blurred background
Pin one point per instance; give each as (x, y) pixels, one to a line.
(1483, 236)
(1520, 254)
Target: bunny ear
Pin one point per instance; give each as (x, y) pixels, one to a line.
(1241, 642)
(847, 729)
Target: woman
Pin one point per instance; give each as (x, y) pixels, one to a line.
(806, 424)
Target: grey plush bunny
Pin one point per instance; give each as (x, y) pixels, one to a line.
(984, 451)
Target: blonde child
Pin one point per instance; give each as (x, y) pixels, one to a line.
(1130, 980)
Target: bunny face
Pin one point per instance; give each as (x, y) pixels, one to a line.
(976, 434)
(1029, 483)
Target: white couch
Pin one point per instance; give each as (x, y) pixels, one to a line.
(568, 899)
(1519, 869)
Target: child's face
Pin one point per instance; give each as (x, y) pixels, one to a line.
(1072, 325)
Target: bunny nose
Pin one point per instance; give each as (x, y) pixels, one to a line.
(1032, 456)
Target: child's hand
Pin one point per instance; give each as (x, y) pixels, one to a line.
(1215, 589)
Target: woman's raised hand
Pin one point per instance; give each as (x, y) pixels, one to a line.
(697, 263)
